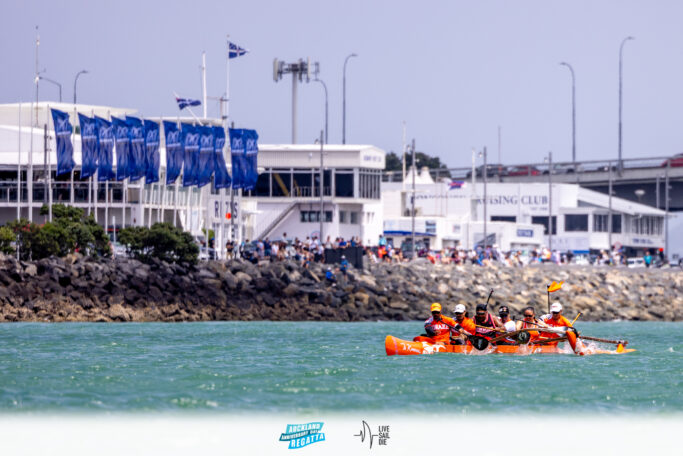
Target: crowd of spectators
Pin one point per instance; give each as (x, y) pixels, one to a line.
(311, 249)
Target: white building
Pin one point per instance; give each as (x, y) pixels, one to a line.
(287, 195)
(517, 216)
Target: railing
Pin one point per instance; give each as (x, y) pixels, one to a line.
(311, 192)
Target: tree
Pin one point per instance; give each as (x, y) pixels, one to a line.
(162, 241)
(7, 238)
(394, 163)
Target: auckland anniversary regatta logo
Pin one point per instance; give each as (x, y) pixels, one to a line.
(301, 435)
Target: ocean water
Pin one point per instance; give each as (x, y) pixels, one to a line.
(313, 367)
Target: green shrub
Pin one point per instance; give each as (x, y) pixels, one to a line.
(7, 238)
(162, 241)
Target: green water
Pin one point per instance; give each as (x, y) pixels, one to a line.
(309, 367)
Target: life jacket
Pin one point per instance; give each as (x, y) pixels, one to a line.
(488, 323)
(533, 335)
(440, 328)
(550, 321)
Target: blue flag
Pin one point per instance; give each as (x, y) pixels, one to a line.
(206, 156)
(89, 149)
(185, 102)
(221, 177)
(65, 150)
(105, 145)
(174, 151)
(151, 152)
(237, 153)
(251, 159)
(137, 163)
(235, 50)
(191, 155)
(122, 139)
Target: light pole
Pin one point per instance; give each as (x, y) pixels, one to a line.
(573, 113)
(486, 171)
(43, 78)
(76, 80)
(322, 188)
(621, 55)
(549, 159)
(412, 210)
(344, 100)
(326, 106)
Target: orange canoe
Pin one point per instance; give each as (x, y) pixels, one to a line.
(396, 346)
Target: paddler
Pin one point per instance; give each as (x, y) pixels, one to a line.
(464, 326)
(438, 327)
(557, 320)
(487, 324)
(508, 324)
(528, 321)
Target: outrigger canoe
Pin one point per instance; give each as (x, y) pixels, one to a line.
(396, 346)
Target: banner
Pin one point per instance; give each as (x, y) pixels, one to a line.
(238, 158)
(191, 155)
(105, 145)
(122, 139)
(206, 165)
(89, 149)
(137, 163)
(251, 159)
(65, 150)
(174, 152)
(151, 152)
(221, 177)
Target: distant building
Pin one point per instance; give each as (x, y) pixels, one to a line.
(452, 213)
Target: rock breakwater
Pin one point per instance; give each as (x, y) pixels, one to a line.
(77, 288)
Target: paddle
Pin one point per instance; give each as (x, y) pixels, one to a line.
(607, 341)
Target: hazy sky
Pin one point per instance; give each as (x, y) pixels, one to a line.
(453, 70)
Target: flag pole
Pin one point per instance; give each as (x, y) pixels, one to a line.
(160, 213)
(19, 169)
(49, 169)
(106, 191)
(73, 135)
(204, 82)
(227, 146)
(95, 176)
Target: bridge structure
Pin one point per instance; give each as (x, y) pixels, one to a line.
(656, 181)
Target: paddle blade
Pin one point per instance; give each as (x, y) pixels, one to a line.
(555, 286)
(479, 343)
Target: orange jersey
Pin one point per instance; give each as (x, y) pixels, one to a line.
(533, 335)
(441, 328)
(467, 324)
(559, 322)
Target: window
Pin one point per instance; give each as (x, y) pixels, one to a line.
(600, 223)
(263, 184)
(503, 218)
(544, 221)
(328, 216)
(576, 222)
(314, 216)
(616, 223)
(343, 184)
(354, 218)
(430, 227)
(342, 216)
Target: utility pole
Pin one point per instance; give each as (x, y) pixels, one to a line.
(486, 171)
(322, 188)
(412, 211)
(301, 71)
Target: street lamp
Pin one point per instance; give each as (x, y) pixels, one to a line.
(344, 99)
(43, 78)
(573, 113)
(76, 80)
(621, 55)
(326, 105)
(549, 160)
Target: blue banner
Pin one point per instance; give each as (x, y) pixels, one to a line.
(221, 177)
(151, 152)
(65, 150)
(137, 163)
(238, 158)
(206, 165)
(105, 142)
(251, 159)
(89, 150)
(122, 139)
(174, 151)
(191, 156)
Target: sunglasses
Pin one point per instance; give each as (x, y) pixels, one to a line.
(528, 316)
(434, 312)
(503, 314)
(555, 313)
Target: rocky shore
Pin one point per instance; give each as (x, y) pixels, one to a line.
(78, 288)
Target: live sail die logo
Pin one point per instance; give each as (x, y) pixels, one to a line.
(301, 435)
(365, 433)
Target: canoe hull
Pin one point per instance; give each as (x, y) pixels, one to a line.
(395, 346)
